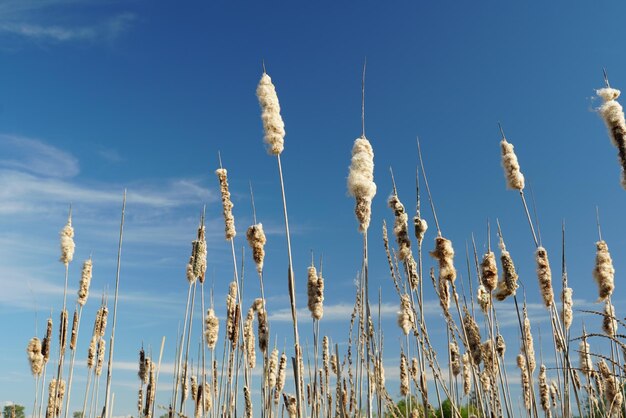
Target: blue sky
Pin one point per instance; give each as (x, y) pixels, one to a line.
(98, 96)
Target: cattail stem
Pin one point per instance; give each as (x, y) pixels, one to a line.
(112, 338)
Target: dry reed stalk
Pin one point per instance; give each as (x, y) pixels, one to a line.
(613, 115)
(212, 327)
(315, 293)
(406, 318)
(256, 239)
(604, 272)
(227, 204)
(512, 173)
(544, 275)
(35, 358)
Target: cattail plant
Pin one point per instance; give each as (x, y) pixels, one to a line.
(528, 344)
(567, 315)
(612, 389)
(56, 391)
(467, 373)
(212, 327)
(361, 181)
(609, 323)
(249, 339)
(507, 286)
(544, 391)
(444, 254)
(604, 272)
(315, 293)
(35, 358)
(405, 315)
(227, 204)
(473, 336)
(489, 271)
(401, 232)
(544, 275)
(273, 124)
(455, 358)
(585, 362)
(521, 363)
(404, 375)
(256, 239)
(483, 298)
(613, 115)
(512, 172)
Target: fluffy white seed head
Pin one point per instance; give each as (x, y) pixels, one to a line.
(361, 181)
(273, 124)
(67, 242)
(85, 282)
(604, 272)
(512, 173)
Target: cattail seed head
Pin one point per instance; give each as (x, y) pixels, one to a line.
(67, 242)
(521, 363)
(500, 345)
(604, 272)
(485, 381)
(544, 391)
(248, 402)
(609, 323)
(315, 293)
(612, 389)
(196, 268)
(490, 362)
(544, 275)
(74, 334)
(586, 365)
(101, 321)
(85, 282)
(443, 290)
(45, 345)
(100, 361)
(256, 240)
(361, 181)
(263, 328)
(484, 298)
(421, 226)
(512, 173)
(473, 336)
(455, 358)
(91, 353)
(467, 374)
(63, 330)
(291, 405)
(613, 115)
(227, 204)
(508, 284)
(144, 366)
(405, 316)
(272, 369)
(56, 391)
(529, 344)
(568, 314)
(249, 339)
(35, 358)
(444, 254)
(404, 376)
(212, 328)
(280, 377)
(231, 311)
(273, 124)
(489, 271)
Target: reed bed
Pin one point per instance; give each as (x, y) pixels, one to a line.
(347, 378)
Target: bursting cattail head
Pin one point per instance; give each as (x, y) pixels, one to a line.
(100, 359)
(421, 226)
(231, 311)
(273, 124)
(144, 366)
(56, 391)
(544, 275)
(512, 173)
(291, 405)
(315, 293)
(521, 363)
(604, 272)
(101, 321)
(489, 271)
(401, 232)
(612, 389)
(263, 327)
(249, 339)
(544, 391)
(85, 282)
(227, 204)
(67, 242)
(484, 298)
(508, 284)
(91, 352)
(613, 115)
(196, 269)
(444, 254)
(609, 322)
(211, 328)
(280, 377)
(405, 316)
(500, 345)
(35, 358)
(272, 369)
(490, 362)
(256, 239)
(361, 181)
(248, 402)
(568, 313)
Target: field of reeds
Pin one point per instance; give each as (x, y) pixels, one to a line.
(230, 362)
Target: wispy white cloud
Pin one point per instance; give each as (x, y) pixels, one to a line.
(335, 312)
(59, 21)
(35, 156)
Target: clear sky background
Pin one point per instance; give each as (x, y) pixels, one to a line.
(98, 96)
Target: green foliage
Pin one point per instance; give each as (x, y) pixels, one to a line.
(13, 411)
(77, 414)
